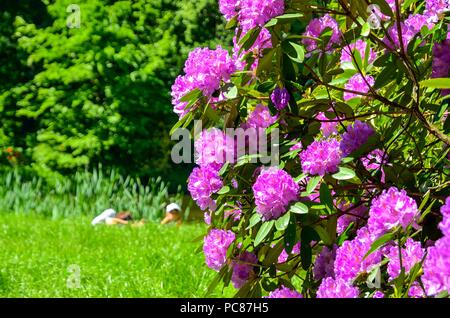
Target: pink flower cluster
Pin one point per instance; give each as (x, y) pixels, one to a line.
(234, 215)
(359, 46)
(251, 13)
(284, 292)
(229, 8)
(297, 146)
(349, 261)
(336, 288)
(355, 136)
(358, 84)
(213, 147)
(215, 246)
(435, 8)
(321, 157)
(391, 4)
(415, 291)
(284, 255)
(202, 183)
(392, 208)
(355, 215)
(436, 268)
(445, 223)
(327, 127)
(412, 254)
(410, 27)
(324, 264)
(280, 98)
(274, 189)
(204, 69)
(441, 62)
(375, 160)
(257, 12)
(243, 269)
(316, 27)
(260, 117)
(378, 294)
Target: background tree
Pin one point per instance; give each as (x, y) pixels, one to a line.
(71, 98)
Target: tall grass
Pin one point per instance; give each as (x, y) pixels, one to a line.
(85, 193)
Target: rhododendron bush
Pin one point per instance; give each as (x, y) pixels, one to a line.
(357, 204)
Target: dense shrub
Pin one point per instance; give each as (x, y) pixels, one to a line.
(360, 98)
(76, 97)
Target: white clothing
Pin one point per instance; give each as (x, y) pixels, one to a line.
(173, 207)
(107, 214)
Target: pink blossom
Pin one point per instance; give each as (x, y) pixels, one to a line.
(274, 189)
(215, 246)
(392, 208)
(321, 157)
(360, 84)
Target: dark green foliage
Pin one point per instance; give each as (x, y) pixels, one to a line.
(71, 98)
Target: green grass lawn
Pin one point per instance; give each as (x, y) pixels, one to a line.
(39, 258)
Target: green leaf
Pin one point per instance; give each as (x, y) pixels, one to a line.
(249, 39)
(312, 184)
(379, 243)
(306, 255)
(300, 177)
(308, 234)
(299, 208)
(299, 52)
(178, 124)
(347, 159)
(344, 174)
(232, 23)
(283, 18)
(345, 235)
(365, 31)
(332, 227)
(289, 16)
(256, 291)
(326, 198)
(198, 238)
(386, 76)
(224, 190)
(283, 222)
(268, 285)
(192, 95)
(326, 239)
(357, 60)
(367, 54)
(224, 168)
(264, 230)
(244, 291)
(290, 235)
(424, 200)
(255, 219)
(441, 83)
(211, 114)
(383, 60)
(216, 280)
(427, 211)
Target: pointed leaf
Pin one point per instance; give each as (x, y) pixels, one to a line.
(264, 231)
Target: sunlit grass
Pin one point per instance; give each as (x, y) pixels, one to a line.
(37, 256)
